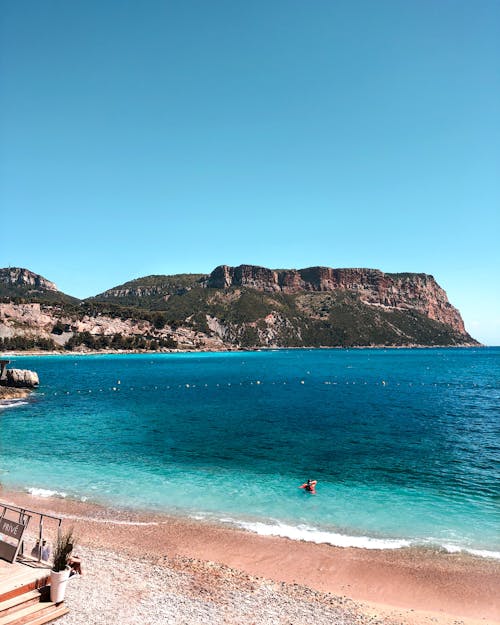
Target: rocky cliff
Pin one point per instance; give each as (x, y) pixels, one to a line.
(20, 283)
(46, 326)
(233, 307)
(19, 277)
(416, 291)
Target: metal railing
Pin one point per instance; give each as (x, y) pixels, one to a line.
(24, 516)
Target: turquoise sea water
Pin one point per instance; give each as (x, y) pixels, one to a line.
(405, 444)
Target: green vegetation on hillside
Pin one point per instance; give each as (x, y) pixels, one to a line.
(118, 341)
(23, 343)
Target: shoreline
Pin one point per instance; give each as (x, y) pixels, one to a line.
(231, 350)
(413, 585)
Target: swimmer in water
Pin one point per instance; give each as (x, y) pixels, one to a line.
(310, 486)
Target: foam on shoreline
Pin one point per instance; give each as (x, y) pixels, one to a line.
(314, 535)
(12, 403)
(45, 493)
(299, 533)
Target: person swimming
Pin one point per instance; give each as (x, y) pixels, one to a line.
(310, 486)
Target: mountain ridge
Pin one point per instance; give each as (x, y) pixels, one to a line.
(234, 307)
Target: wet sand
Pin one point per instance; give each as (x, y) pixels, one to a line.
(405, 586)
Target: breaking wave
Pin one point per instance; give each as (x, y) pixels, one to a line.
(44, 492)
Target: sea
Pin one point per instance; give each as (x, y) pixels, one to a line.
(404, 443)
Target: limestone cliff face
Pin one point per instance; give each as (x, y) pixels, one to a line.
(38, 320)
(21, 319)
(400, 291)
(17, 276)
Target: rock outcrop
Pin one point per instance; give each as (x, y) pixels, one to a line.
(39, 321)
(21, 378)
(17, 276)
(9, 392)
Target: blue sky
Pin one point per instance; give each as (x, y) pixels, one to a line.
(163, 137)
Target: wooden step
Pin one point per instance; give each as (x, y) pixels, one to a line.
(41, 612)
(19, 584)
(56, 612)
(19, 601)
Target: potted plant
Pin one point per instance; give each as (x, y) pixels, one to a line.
(59, 574)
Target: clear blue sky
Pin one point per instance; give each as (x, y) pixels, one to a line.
(152, 137)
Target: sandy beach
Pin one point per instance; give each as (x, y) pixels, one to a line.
(177, 570)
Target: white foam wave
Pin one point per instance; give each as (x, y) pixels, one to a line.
(482, 553)
(12, 403)
(452, 548)
(314, 535)
(43, 492)
(109, 521)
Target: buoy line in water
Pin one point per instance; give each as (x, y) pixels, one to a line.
(119, 388)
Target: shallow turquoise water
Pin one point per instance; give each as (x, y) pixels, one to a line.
(404, 444)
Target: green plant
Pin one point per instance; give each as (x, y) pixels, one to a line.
(62, 550)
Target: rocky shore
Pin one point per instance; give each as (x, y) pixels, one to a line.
(9, 392)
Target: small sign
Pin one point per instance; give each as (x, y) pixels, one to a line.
(11, 528)
(11, 534)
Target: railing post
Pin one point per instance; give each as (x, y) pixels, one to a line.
(21, 520)
(40, 538)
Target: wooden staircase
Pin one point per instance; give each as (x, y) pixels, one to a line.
(26, 601)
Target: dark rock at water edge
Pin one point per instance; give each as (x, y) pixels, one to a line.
(21, 378)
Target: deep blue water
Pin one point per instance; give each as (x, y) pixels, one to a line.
(405, 444)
